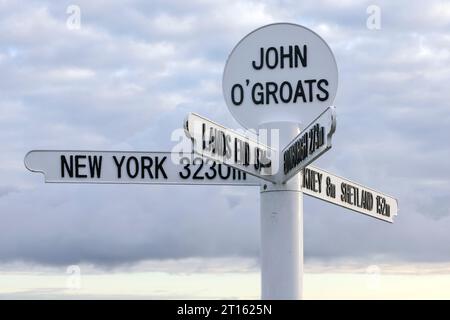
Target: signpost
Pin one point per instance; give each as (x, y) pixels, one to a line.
(281, 76)
(218, 143)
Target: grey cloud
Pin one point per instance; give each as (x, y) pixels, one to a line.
(66, 224)
(5, 190)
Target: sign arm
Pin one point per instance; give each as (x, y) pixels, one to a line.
(121, 167)
(309, 144)
(348, 194)
(223, 145)
(28, 162)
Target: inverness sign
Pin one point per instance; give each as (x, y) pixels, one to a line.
(310, 144)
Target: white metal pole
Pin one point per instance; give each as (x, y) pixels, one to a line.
(281, 207)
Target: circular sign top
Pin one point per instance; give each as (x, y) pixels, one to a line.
(279, 72)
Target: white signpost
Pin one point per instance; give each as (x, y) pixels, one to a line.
(281, 76)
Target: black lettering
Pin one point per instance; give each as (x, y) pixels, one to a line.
(119, 166)
(214, 171)
(304, 178)
(241, 94)
(237, 150)
(300, 55)
(319, 181)
(95, 165)
(185, 168)
(299, 92)
(196, 173)
(259, 97)
(79, 166)
(246, 154)
(285, 84)
(261, 59)
(146, 166)
(136, 167)
(383, 207)
(257, 164)
(286, 161)
(311, 140)
(330, 188)
(271, 90)
(304, 147)
(275, 59)
(321, 140)
(204, 136)
(212, 139)
(66, 166)
(159, 167)
(286, 55)
(227, 175)
(310, 88)
(228, 146)
(323, 90)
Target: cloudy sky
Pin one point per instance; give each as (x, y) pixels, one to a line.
(126, 78)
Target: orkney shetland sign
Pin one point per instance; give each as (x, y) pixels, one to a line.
(348, 194)
(279, 72)
(133, 167)
(310, 144)
(226, 146)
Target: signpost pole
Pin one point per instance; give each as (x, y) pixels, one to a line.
(282, 230)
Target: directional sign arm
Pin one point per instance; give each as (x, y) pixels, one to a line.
(309, 144)
(118, 167)
(216, 142)
(343, 192)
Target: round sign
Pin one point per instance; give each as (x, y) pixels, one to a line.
(279, 72)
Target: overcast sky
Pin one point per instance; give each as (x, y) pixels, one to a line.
(133, 70)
